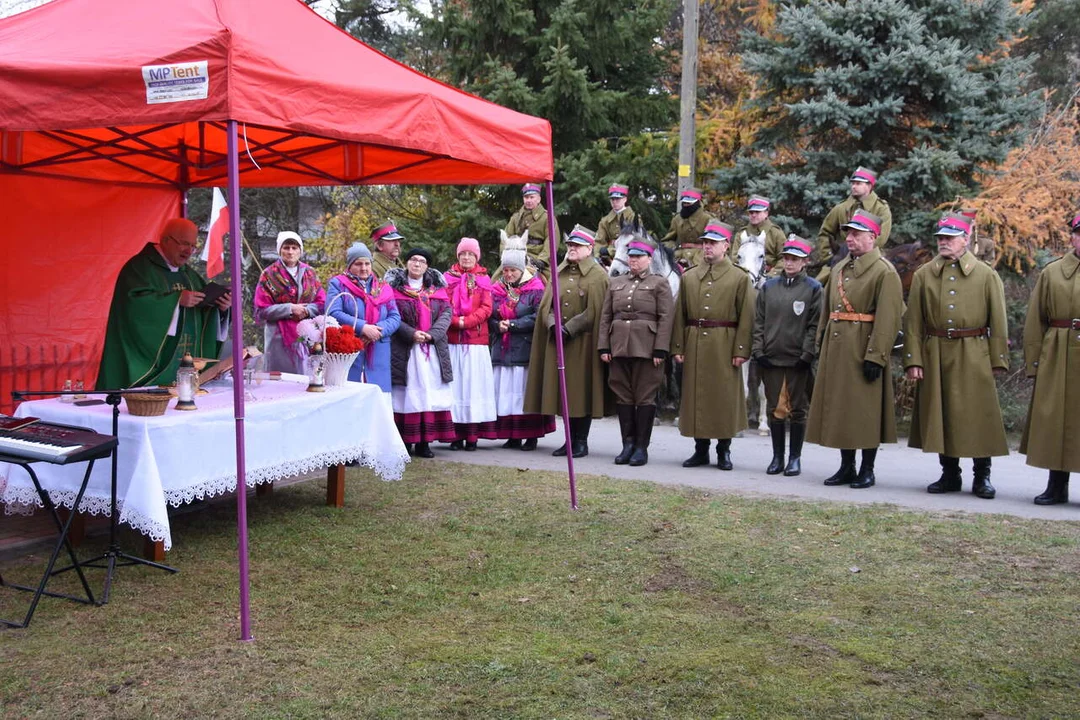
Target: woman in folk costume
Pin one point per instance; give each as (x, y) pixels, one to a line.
(288, 291)
(420, 358)
(515, 300)
(361, 300)
(469, 288)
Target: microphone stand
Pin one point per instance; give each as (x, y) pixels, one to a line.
(113, 557)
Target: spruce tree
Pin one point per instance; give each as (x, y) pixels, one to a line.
(925, 92)
(590, 67)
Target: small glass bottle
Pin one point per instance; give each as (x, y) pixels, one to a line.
(79, 394)
(67, 388)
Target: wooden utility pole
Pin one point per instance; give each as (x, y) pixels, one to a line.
(688, 95)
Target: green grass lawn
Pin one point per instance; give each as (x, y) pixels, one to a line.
(470, 592)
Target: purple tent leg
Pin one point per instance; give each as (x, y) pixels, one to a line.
(238, 385)
(553, 245)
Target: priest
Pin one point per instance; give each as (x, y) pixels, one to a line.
(158, 313)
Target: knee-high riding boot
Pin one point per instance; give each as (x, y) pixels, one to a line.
(643, 422)
(776, 431)
(626, 427)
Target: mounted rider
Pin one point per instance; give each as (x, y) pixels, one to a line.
(687, 227)
(764, 230)
(831, 235)
(611, 224)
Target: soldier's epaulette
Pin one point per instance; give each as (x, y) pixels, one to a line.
(887, 262)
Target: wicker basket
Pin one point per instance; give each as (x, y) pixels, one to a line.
(147, 404)
(337, 367)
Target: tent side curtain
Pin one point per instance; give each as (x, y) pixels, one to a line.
(65, 242)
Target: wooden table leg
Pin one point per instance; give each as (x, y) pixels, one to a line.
(154, 550)
(335, 486)
(264, 489)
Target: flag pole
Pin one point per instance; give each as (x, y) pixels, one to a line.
(560, 357)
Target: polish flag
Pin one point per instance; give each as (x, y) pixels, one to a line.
(213, 252)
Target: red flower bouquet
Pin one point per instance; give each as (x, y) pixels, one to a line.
(343, 340)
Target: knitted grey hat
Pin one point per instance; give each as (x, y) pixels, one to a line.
(513, 258)
(357, 251)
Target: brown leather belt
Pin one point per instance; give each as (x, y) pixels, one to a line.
(956, 333)
(1073, 324)
(701, 322)
(851, 316)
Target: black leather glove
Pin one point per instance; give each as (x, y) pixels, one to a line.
(801, 364)
(565, 333)
(763, 361)
(871, 371)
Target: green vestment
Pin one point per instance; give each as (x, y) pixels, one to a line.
(138, 349)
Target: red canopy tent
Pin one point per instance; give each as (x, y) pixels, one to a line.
(110, 110)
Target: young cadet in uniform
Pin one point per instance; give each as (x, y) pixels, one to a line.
(760, 226)
(611, 224)
(583, 284)
(955, 341)
(1052, 357)
(635, 334)
(714, 313)
(852, 403)
(831, 235)
(686, 229)
(387, 243)
(788, 310)
(533, 218)
(772, 238)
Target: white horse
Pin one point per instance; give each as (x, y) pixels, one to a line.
(751, 257)
(663, 259)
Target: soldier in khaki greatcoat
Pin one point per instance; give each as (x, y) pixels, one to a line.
(684, 235)
(714, 313)
(635, 334)
(831, 236)
(583, 285)
(1052, 357)
(852, 403)
(955, 341)
(386, 241)
(532, 218)
(787, 313)
(611, 224)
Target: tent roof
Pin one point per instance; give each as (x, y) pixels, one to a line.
(317, 106)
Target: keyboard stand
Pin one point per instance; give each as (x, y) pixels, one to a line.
(114, 557)
(62, 542)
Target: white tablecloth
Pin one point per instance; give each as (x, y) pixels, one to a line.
(180, 457)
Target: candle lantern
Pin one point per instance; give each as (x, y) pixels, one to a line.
(316, 369)
(187, 382)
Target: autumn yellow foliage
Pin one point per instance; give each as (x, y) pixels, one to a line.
(1026, 204)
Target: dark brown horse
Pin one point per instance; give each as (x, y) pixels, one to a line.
(907, 259)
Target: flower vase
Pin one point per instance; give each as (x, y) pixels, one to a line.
(337, 367)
